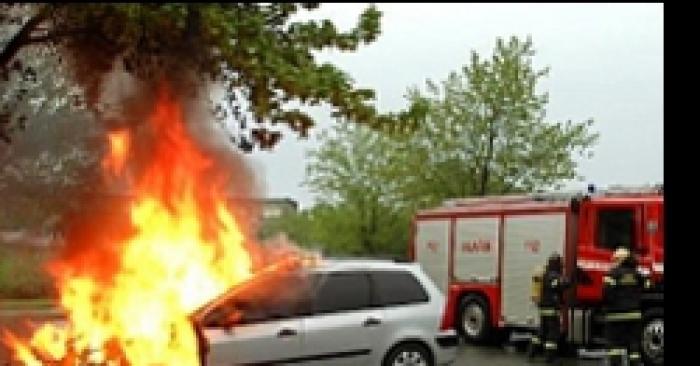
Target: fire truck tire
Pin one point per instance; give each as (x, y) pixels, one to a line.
(473, 319)
(652, 338)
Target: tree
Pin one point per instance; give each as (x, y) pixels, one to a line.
(34, 88)
(263, 60)
(487, 133)
(47, 168)
(351, 173)
(333, 229)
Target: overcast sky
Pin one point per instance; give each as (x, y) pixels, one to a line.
(606, 63)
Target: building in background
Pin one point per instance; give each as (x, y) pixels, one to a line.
(277, 207)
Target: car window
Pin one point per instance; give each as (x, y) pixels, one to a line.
(616, 228)
(278, 298)
(395, 288)
(341, 292)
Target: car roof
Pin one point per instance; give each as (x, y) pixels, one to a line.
(325, 265)
(336, 265)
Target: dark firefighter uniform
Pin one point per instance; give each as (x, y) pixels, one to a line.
(622, 292)
(550, 303)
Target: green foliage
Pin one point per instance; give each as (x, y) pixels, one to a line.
(333, 230)
(22, 274)
(485, 133)
(352, 172)
(259, 55)
(47, 168)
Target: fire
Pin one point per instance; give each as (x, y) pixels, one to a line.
(119, 145)
(185, 249)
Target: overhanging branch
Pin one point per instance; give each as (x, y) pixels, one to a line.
(20, 39)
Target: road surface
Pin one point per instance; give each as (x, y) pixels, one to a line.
(468, 355)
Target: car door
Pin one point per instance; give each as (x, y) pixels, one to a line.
(260, 343)
(258, 327)
(342, 327)
(606, 227)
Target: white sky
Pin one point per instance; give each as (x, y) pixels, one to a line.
(606, 63)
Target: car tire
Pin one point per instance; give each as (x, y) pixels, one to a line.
(652, 339)
(473, 319)
(409, 353)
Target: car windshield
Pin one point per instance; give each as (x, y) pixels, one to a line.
(262, 298)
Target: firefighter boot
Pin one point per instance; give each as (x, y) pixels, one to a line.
(534, 347)
(550, 352)
(616, 357)
(635, 359)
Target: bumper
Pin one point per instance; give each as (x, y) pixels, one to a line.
(447, 341)
(446, 348)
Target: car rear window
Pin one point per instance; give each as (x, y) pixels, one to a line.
(342, 292)
(396, 288)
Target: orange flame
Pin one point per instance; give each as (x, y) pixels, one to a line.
(119, 145)
(186, 249)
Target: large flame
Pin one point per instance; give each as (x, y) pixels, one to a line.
(185, 249)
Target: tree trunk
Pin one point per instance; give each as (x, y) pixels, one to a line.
(485, 169)
(364, 232)
(372, 226)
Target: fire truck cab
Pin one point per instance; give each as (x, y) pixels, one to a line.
(483, 252)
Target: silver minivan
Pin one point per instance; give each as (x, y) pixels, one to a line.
(343, 312)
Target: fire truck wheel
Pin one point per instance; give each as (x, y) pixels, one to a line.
(653, 337)
(473, 319)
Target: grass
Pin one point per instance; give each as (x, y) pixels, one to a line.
(27, 304)
(23, 279)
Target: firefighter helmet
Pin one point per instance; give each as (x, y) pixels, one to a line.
(621, 254)
(554, 262)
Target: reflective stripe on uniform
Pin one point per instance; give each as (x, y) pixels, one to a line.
(550, 345)
(635, 356)
(628, 279)
(535, 340)
(616, 352)
(608, 280)
(633, 315)
(548, 312)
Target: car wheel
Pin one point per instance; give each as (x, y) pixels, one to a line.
(409, 354)
(474, 319)
(653, 337)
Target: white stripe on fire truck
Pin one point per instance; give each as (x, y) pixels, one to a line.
(594, 265)
(605, 266)
(658, 267)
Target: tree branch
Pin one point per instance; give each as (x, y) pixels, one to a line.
(20, 39)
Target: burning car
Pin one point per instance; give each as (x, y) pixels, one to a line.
(340, 312)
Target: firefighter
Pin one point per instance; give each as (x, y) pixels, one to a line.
(553, 284)
(622, 291)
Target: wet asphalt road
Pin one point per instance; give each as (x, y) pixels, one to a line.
(468, 355)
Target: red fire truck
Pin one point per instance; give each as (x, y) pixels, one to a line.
(482, 253)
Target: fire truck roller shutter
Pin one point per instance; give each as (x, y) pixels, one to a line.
(432, 250)
(476, 249)
(529, 239)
